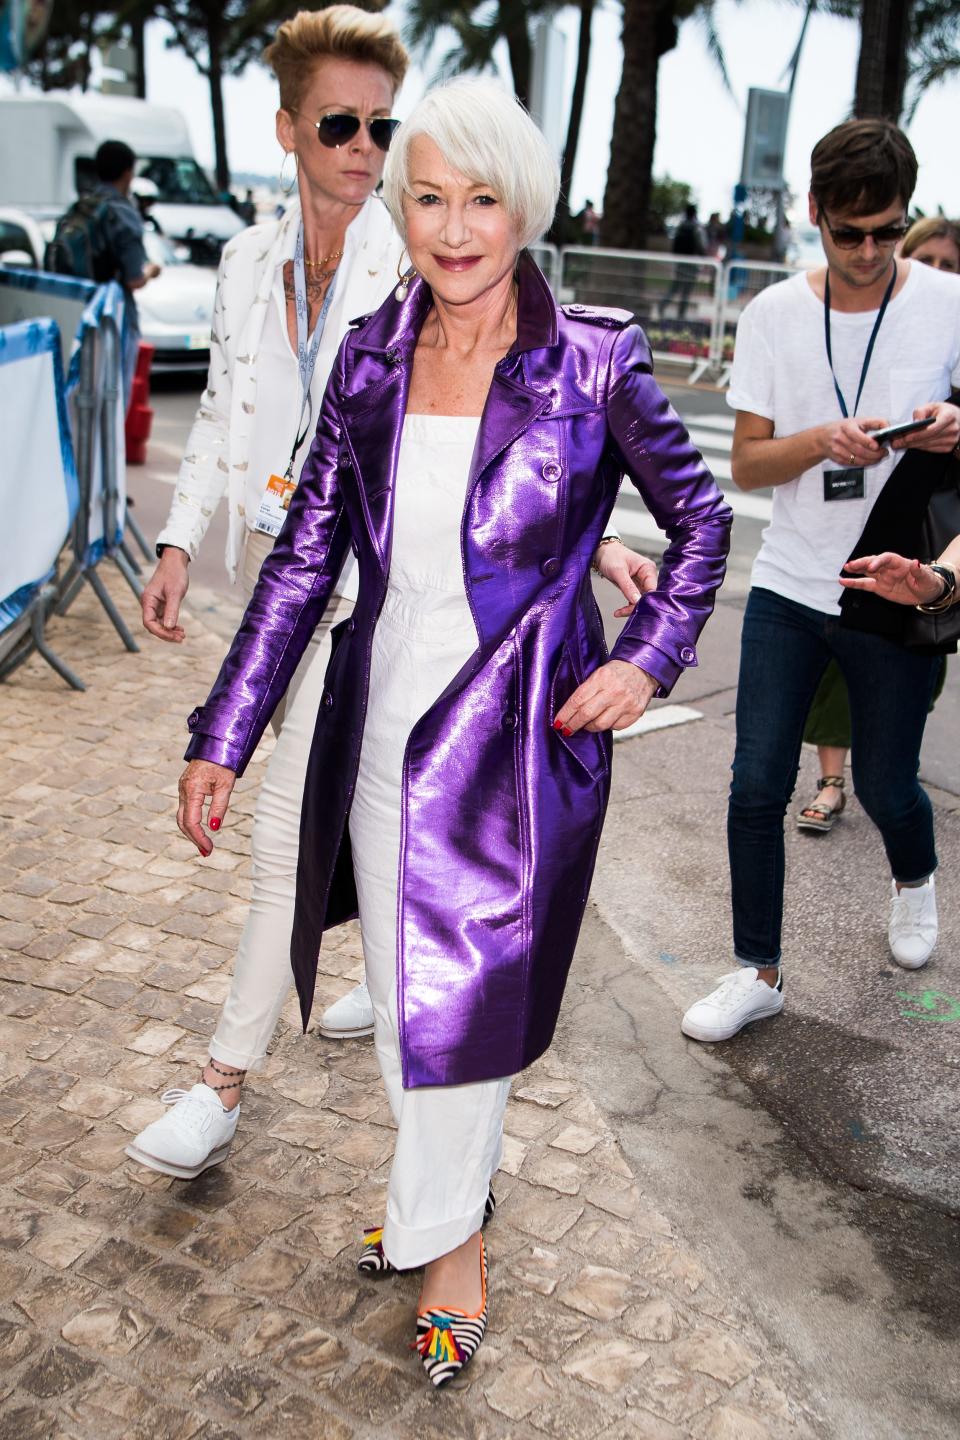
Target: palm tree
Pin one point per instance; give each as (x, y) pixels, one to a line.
(558, 231)
(477, 28)
(650, 29)
(883, 64)
(935, 55)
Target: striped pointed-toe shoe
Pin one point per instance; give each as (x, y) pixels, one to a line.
(448, 1339)
(375, 1265)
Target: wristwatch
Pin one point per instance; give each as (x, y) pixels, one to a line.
(943, 602)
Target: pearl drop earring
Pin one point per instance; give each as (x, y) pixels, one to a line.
(403, 289)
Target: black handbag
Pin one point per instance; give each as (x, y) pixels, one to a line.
(916, 514)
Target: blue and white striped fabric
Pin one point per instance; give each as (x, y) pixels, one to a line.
(39, 494)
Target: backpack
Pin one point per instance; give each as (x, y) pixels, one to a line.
(79, 246)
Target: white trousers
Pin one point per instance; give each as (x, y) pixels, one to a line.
(262, 977)
(449, 1139)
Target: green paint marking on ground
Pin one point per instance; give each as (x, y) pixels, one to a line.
(930, 1005)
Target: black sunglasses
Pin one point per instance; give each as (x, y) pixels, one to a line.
(335, 130)
(848, 237)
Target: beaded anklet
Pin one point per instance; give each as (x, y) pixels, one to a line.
(212, 1065)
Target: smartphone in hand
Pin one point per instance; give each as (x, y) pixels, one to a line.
(893, 432)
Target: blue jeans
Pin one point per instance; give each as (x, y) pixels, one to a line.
(785, 648)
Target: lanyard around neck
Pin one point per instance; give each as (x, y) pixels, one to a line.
(872, 341)
(306, 353)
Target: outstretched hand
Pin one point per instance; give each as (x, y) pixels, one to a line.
(632, 574)
(203, 780)
(893, 577)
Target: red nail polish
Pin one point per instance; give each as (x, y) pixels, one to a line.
(558, 724)
(215, 822)
(567, 730)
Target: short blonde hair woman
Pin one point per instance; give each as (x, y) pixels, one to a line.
(471, 448)
(338, 70)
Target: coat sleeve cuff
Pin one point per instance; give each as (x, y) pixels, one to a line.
(647, 657)
(181, 537)
(222, 752)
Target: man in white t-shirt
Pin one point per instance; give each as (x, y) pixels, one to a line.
(822, 359)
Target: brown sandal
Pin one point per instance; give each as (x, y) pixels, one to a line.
(820, 817)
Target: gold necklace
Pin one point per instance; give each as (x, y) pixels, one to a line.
(319, 264)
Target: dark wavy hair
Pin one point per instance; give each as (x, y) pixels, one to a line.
(862, 167)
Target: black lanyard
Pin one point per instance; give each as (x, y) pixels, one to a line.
(869, 355)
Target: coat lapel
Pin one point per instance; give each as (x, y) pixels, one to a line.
(373, 406)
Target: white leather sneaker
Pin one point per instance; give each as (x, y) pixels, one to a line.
(912, 931)
(194, 1134)
(350, 1018)
(739, 999)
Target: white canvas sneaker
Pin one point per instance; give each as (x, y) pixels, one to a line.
(739, 999)
(350, 1018)
(912, 931)
(194, 1134)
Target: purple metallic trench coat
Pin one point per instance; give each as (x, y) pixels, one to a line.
(501, 814)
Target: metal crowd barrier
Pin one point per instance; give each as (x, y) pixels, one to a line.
(91, 321)
(742, 280)
(38, 489)
(673, 297)
(688, 306)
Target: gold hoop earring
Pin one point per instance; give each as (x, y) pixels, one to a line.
(289, 189)
(403, 289)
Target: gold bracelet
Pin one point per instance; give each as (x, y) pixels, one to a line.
(607, 540)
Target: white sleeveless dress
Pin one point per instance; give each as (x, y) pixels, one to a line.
(449, 1138)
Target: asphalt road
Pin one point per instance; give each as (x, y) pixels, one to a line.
(815, 1158)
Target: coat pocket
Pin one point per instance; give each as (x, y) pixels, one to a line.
(588, 747)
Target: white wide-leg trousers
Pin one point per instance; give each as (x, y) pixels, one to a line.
(449, 1138)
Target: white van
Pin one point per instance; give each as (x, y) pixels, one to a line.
(47, 145)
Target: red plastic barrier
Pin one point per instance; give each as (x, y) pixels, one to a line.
(139, 420)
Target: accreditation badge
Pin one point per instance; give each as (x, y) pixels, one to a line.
(845, 484)
(274, 504)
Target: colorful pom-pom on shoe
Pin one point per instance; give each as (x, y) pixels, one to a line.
(447, 1339)
(373, 1263)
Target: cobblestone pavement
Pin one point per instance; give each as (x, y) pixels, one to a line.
(138, 1306)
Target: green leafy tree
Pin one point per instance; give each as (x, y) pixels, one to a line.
(475, 31)
(935, 53)
(667, 200)
(222, 37)
(63, 61)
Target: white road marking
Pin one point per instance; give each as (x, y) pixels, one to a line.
(660, 718)
(715, 422)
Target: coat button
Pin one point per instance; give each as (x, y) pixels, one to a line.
(194, 720)
(351, 626)
(345, 462)
(550, 566)
(326, 700)
(551, 471)
(687, 655)
(393, 357)
(576, 309)
(509, 720)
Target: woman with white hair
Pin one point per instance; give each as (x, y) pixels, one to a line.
(470, 448)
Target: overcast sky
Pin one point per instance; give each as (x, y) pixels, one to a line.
(700, 125)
